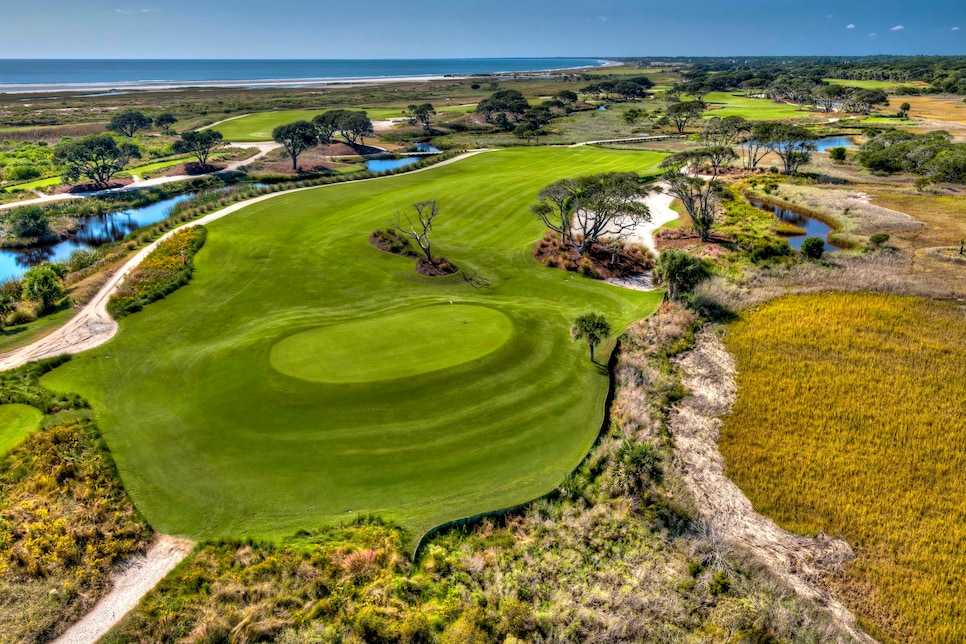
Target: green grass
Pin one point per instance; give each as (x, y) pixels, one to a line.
(14, 337)
(35, 185)
(395, 346)
(17, 422)
(258, 127)
(724, 104)
(211, 440)
(872, 84)
(145, 171)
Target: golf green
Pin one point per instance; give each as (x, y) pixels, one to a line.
(394, 346)
(304, 376)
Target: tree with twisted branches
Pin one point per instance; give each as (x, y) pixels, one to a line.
(419, 228)
(584, 210)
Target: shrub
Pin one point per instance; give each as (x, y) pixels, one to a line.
(42, 283)
(164, 271)
(813, 247)
(21, 316)
(836, 154)
(878, 239)
(22, 173)
(28, 221)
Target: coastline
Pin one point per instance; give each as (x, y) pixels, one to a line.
(125, 87)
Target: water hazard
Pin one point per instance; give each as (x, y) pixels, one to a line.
(94, 231)
(812, 227)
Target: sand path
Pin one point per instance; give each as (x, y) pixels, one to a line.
(132, 581)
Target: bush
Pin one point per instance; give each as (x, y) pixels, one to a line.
(43, 284)
(836, 154)
(878, 239)
(164, 271)
(20, 316)
(813, 247)
(22, 173)
(81, 259)
(28, 221)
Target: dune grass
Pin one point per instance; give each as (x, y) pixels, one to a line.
(258, 127)
(17, 422)
(213, 441)
(850, 421)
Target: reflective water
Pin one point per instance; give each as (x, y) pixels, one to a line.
(813, 227)
(381, 165)
(827, 142)
(95, 231)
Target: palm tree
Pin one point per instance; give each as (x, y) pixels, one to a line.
(593, 327)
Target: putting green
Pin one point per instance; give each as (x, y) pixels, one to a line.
(17, 422)
(393, 346)
(213, 440)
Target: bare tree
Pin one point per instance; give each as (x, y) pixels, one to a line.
(420, 228)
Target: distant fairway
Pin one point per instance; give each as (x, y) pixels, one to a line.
(258, 127)
(873, 84)
(305, 376)
(17, 422)
(724, 104)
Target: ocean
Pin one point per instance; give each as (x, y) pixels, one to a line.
(82, 75)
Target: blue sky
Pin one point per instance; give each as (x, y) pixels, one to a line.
(467, 28)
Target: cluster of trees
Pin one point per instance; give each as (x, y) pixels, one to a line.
(130, 122)
(299, 136)
(510, 111)
(585, 210)
(624, 88)
(934, 156)
(943, 73)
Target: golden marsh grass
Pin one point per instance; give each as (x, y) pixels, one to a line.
(851, 420)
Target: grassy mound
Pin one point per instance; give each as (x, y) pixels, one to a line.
(849, 420)
(16, 423)
(395, 346)
(212, 441)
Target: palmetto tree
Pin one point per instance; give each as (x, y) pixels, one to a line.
(592, 327)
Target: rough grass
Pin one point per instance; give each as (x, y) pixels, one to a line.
(255, 452)
(167, 268)
(64, 522)
(849, 421)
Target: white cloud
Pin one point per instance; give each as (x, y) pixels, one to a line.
(898, 28)
(955, 28)
(873, 34)
(850, 26)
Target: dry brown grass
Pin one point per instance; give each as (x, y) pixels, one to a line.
(849, 421)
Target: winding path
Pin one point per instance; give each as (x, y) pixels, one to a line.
(263, 149)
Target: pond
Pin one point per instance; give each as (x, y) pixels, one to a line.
(826, 142)
(94, 231)
(427, 148)
(812, 227)
(381, 165)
